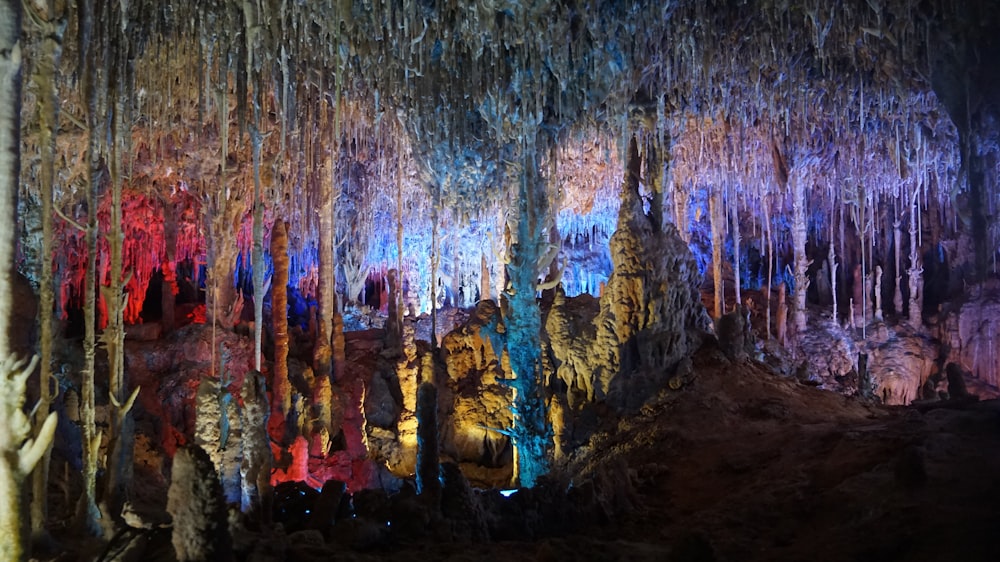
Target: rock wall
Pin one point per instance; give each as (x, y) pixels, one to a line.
(971, 335)
(900, 361)
(830, 354)
(481, 404)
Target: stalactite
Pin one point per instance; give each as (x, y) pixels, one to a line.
(337, 343)
(396, 296)
(456, 278)
(257, 258)
(253, 58)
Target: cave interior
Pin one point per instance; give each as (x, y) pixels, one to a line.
(385, 276)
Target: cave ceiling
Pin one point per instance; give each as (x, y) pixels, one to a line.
(417, 105)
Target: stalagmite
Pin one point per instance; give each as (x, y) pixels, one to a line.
(89, 514)
(279, 317)
(734, 207)
(394, 320)
(53, 27)
(897, 291)
(197, 506)
(531, 434)
(718, 223)
(169, 290)
(121, 432)
(428, 471)
(916, 271)
(781, 319)
(20, 447)
(832, 261)
(435, 259)
(878, 293)
(799, 231)
(484, 278)
(326, 282)
(257, 459)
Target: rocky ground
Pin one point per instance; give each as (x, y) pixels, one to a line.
(741, 463)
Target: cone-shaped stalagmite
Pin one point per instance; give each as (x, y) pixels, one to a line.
(195, 501)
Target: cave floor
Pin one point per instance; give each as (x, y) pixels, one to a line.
(745, 465)
(750, 466)
(742, 464)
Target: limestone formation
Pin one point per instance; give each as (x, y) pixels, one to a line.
(195, 502)
(428, 471)
(734, 334)
(479, 404)
(279, 318)
(257, 458)
(651, 312)
(972, 330)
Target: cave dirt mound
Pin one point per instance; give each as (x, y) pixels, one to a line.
(743, 464)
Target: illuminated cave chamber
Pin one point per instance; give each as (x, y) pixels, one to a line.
(277, 220)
